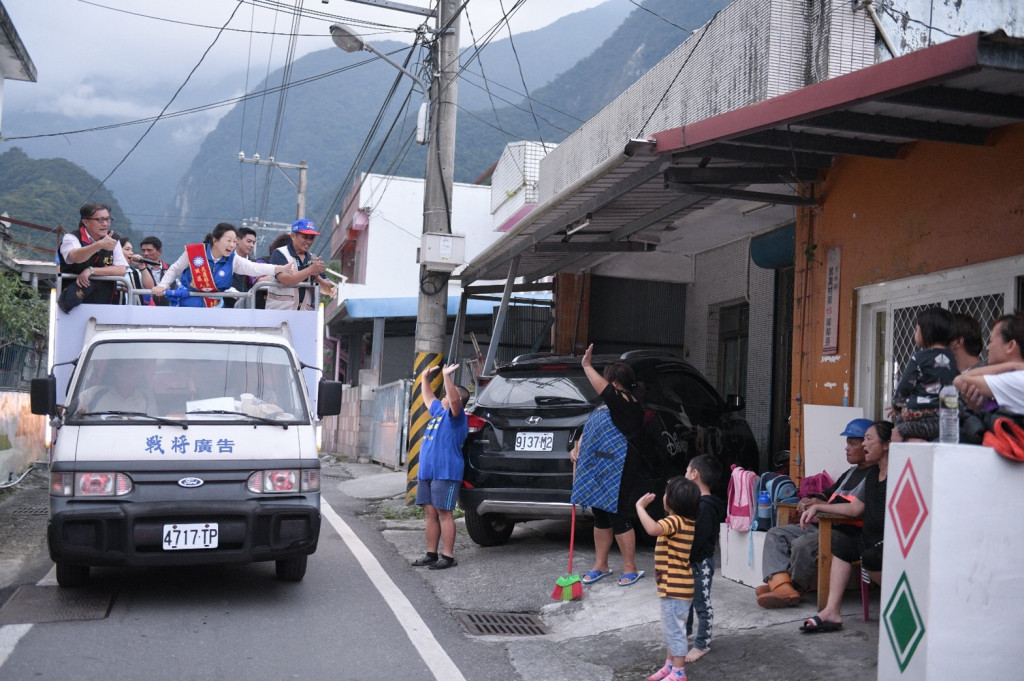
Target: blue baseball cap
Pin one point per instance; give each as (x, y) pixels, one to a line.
(304, 226)
(857, 428)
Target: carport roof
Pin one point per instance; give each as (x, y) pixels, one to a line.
(639, 201)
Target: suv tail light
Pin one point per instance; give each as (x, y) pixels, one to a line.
(476, 424)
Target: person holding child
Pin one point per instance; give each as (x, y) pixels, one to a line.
(869, 549)
(672, 567)
(915, 403)
(600, 456)
(1000, 384)
(704, 470)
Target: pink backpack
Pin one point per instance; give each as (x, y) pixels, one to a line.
(740, 499)
(815, 484)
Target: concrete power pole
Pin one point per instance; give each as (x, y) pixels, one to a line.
(300, 188)
(432, 311)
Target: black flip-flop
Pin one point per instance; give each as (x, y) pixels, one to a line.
(814, 625)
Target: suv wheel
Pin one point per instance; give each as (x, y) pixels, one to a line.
(489, 529)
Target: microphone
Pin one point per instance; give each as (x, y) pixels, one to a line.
(139, 258)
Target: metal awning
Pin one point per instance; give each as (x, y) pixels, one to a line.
(708, 183)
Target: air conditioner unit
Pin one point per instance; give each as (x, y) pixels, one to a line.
(442, 252)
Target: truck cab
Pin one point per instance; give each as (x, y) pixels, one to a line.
(184, 436)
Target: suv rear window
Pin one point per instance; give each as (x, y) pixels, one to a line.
(537, 388)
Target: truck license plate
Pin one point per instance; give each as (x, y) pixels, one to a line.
(190, 536)
(535, 442)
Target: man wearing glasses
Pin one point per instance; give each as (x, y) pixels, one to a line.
(92, 252)
(310, 268)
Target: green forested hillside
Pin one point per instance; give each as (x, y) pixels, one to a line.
(328, 120)
(48, 192)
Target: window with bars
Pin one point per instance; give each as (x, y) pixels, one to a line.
(733, 325)
(888, 313)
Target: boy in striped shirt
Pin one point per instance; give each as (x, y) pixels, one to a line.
(672, 568)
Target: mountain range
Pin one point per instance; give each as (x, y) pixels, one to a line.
(179, 183)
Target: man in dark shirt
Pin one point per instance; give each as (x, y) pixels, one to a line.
(789, 562)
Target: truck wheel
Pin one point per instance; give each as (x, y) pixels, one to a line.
(291, 569)
(489, 529)
(71, 576)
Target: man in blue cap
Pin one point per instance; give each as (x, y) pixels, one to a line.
(309, 269)
(789, 562)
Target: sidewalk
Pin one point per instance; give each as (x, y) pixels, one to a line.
(613, 633)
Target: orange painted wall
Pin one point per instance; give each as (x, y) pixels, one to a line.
(938, 207)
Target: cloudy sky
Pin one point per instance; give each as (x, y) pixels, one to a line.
(126, 57)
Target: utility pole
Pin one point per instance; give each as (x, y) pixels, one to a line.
(301, 166)
(432, 311)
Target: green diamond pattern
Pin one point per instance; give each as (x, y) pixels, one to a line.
(903, 622)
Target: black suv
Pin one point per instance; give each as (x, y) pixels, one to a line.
(527, 418)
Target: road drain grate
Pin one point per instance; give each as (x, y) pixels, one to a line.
(30, 510)
(502, 623)
(34, 604)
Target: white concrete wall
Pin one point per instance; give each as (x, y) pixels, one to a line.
(22, 434)
(395, 206)
(951, 572)
(752, 50)
(915, 24)
(725, 276)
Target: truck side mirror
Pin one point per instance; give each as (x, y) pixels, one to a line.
(736, 402)
(43, 395)
(328, 398)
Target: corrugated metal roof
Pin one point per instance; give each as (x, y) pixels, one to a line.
(695, 187)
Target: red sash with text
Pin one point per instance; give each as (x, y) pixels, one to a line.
(202, 275)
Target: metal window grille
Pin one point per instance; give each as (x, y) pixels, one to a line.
(985, 309)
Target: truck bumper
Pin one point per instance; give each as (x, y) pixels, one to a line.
(132, 534)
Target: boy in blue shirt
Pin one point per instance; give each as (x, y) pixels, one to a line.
(441, 465)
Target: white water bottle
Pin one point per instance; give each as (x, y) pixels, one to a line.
(949, 415)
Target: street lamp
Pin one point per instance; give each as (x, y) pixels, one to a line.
(345, 38)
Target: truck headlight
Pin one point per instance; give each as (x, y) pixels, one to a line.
(103, 484)
(284, 481)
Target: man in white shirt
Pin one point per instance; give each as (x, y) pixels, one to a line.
(1003, 379)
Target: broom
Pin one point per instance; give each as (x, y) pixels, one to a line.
(568, 587)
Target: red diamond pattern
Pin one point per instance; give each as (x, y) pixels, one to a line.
(907, 508)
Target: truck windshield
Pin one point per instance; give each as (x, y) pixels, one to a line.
(200, 382)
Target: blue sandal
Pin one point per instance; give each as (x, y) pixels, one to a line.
(594, 575)
(630, 577)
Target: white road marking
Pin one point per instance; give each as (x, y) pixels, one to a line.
(416, 629)
(430, 650)
(10, 634)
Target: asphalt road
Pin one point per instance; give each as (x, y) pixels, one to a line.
(347, 621)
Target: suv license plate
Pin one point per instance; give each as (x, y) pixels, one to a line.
(535, 442)
(190, 536)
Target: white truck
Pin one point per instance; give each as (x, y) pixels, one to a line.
(183, 436)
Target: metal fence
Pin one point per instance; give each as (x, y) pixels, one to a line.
(19, 364)
(389, 432)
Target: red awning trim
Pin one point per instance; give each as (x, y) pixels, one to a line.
(923, 67)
